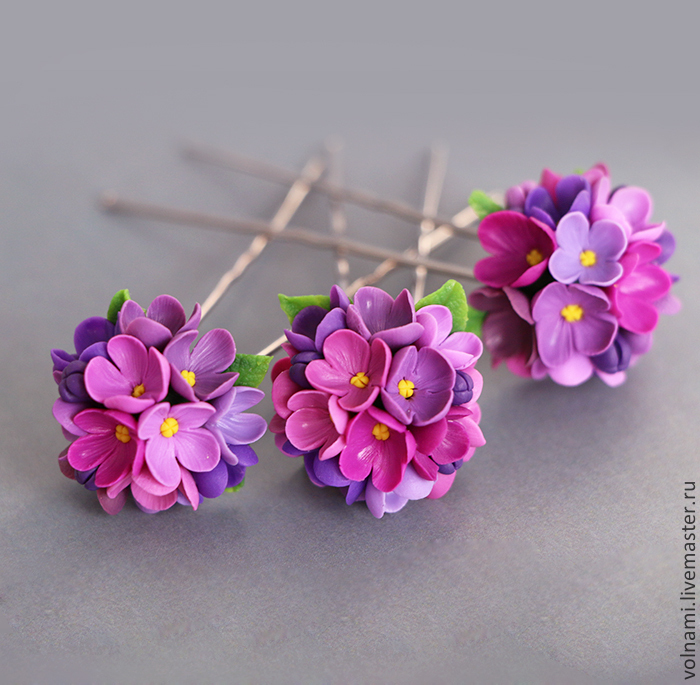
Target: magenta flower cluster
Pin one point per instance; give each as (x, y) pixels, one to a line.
(574, 283)
(378, 398)
(145, 411)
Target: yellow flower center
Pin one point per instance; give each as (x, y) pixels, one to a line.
(169, 427)
(534, 257)
(406, 388)
(380, 431)
(360, 380)
(572, 312)
(138, 390)
(588, 258)
(122, 433)
(188, 376)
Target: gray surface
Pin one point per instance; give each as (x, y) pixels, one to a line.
(556, 558)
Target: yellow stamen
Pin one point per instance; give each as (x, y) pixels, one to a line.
(138, 390)
(122, 433)
(360, 380)
(169, 427)
(588, 258)
(380, 431)
(572, 313)
(406, 388)
(534, 257)
(188, 376)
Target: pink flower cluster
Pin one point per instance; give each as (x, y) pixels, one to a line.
(146, 413)
(379, 399)
(574, 280)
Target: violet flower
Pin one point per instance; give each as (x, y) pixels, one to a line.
(164, 318)
(520, 246)
(419, 386)
(570, 319)
(316, 421)
(225, 475)
(588, 253)
(134, 380)
(461, 349)
(379, 445)
(175, 437)
(110, 445)
(201, 373)
(571, 194)
(351, 369)
(375, 314)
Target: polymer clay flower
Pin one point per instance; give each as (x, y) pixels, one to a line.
(571, 194)
(175, 437)
(201, 373)
(419, 386)
(110, 445)
(375, 314)
(379, 445)
(351, 369)
(520, 247)
(570, 319)
(164, 318)
(588, 253)
(316, 422)
(134, 379)
(461, 349)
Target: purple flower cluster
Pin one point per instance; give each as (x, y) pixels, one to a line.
(379, 399)
(574, 284)
(143, 410)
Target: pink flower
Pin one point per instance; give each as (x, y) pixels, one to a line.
(316, 422)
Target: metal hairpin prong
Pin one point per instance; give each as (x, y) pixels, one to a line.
(271, 172)
(311, 172)
(339, 221)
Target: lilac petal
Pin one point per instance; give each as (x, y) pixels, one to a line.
(309, 428)
(572, 233)
(594, 334)
(197, 450)
(157, 376)
(566, 266)
(144, 479)
(607, 239)
(339, 298)
(306, 322)
(302, 343)
(635, 203)
(433, 373)
(61, 358)
(582, 203)
(373, 306)
(149, 332)
(543, 216)
(103, 380)
(554, 340)
(177, 352)
(192, 414)
(167, 311)
(215, 351)
(210, 385)
(180, 385)
(245, 454)
(160, 457)
(355, 491)
(151, 419)
(402, 310)
(575, 371)
(130, 356)
(539, 199)
(442, 486)
(153, 503)
(188, 489)
(65, 412)
(245, 398)
(602, 274)
(380, 503)
(111, 505)
(328, 472)
(129, 312)
(242, 429)
(413, 486)
(236, 475)
(462, 349)
(430, 436)
(430, 336)
(346, 351)
(212, 483)
(92, 330)
(194, 320)
(425, 467)
(573, 194)
(334, 320)
(309, 459)
(90, 451)
(283, 389)
(401, 336)
(118, 464)
(455, 445)
(98, 349)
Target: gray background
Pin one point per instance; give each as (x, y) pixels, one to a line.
(556, 557)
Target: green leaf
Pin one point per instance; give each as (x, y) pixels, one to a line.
(291, 306)
(116, 304)
(482, 204)
(251, 367)
(452, 296)
(235, 488)
(475, 321)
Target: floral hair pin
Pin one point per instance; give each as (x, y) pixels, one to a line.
(377, 395)
(146, 411)
(575, 284)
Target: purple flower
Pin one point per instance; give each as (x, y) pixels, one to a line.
(375, 314)
(317, 422)
(110, 445)
(520, 247)
(570, 319)
(419, 386)
(224, 475)
(571, 194)
(411, 487)
(134, 380)
(231, 427)
(175, 437)
(352, 370)
(631, 207)
(462, 350)
(164, 318)
(588, 253)
(201, 372)
(378, 444)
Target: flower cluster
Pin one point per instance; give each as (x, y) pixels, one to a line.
(574, 283)
(379, 396)
(144, 410)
